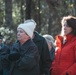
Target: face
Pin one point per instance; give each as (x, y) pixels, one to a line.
(21, 35)
(66, 29)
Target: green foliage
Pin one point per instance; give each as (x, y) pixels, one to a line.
(7, 33)
(47, 14)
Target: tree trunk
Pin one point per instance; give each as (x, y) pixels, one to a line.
(75, 7)
(22, 11)
(49, 25)
(8, 13)
(39, 19)
(28, 9)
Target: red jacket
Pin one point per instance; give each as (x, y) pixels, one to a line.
(65, 57)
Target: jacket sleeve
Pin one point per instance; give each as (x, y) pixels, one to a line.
(71, 70)
(29, 59)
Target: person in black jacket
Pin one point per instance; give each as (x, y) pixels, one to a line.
(45, 60)
(4, 49)
(24, 55)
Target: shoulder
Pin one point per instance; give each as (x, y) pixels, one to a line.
(38, 36)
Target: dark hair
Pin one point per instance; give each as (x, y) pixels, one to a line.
(71, 21)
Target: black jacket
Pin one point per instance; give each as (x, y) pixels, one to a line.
(28, 62)
(4, 49)
(45, 60)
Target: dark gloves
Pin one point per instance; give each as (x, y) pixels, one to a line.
(14, 56)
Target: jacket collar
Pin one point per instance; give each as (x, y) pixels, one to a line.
(36, 36)
(68, 37)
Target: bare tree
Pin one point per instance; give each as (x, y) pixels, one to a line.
(75, 7)
(28, 9)
(22, 10)
(8, 13)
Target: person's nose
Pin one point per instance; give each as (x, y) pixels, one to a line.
(64, 28)
(18, 33)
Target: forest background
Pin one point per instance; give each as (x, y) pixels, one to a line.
(46, 13)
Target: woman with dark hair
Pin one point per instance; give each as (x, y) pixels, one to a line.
(65, 54)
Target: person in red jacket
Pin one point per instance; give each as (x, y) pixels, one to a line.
(65, 53)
